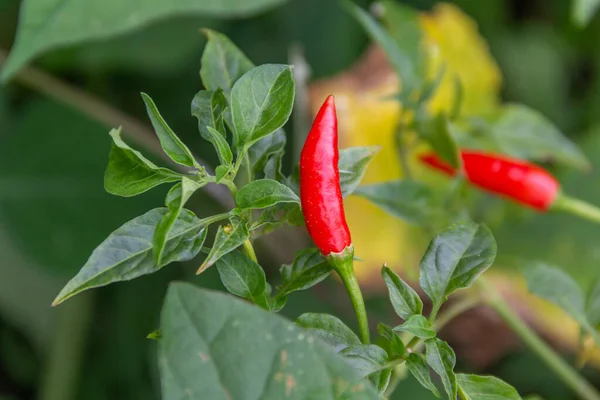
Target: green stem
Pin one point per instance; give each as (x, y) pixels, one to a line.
(249, 250)
(214, 218)
(577, 207)
(67, 350)
(231, 186)
(346, 271)
(560, 367)
(402, 151)
(248, 168)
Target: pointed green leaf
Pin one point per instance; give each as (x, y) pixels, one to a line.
(169, 141)
(525, 133)
(264, 193)
(365, 358)
(308, 269)
(176, 199)
(476, 387)
(223, 149)
(381, 380)
(436, 132)
(243, 277)
(223, 63)
(260, 152)
(409, 200)
(127, 252)
(216, 347)
(417, 325)
(419, 369)
(395, 347)
(209, 108)
(398, 57)
(329, 329)
(441, 358)
(225, 243)
(353, 164)
(558, 287)
(129, 173)
(271, 89)
(404, 25)
(221, 172)
(454, 258)
(405, 300)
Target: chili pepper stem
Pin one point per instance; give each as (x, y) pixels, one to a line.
(560, 367)
(344, 266)
(577, 207)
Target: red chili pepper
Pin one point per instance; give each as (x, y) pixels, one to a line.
(515, 179)
(320, 192)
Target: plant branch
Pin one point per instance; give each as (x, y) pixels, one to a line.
(107, 115)
(560, 367)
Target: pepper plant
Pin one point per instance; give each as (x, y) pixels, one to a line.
(215, 346)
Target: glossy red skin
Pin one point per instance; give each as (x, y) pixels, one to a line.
(515, 179)
(320, 192)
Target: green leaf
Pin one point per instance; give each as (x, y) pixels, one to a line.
(476, 387)
(454, 258)
(224, 243)
(260, 152)
(395, 346)
(404, 25)
(365, 358)
(381, 379)
(169, 141)
(352, 165)
(217, 347)
(592, 308)
(264, 193)
(308, 269)
(525, 133)
(417, 325)
(441, 358)
(584, 10)
(261, 102)
(398, 57)
(223, 63)
(223, 149)
(419, 369)
(127, 252)
(50, 24)
(129, 173)
(556, 286)
(176, 199)
(243, 277)
(221, 172)
(405, 300)
(409, 200)
(209, 108)
(329, 329)
(435, 131)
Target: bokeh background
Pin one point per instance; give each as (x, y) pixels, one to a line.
(54, 211)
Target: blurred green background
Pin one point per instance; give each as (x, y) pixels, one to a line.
(54, 211)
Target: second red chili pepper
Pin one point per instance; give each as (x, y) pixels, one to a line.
(515, 179)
